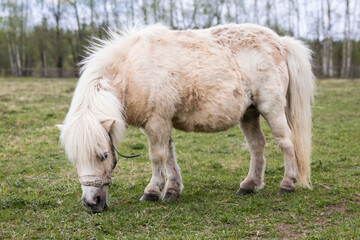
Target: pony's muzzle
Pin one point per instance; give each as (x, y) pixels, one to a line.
(94, 199)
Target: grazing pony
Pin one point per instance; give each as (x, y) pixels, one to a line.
(195, 80)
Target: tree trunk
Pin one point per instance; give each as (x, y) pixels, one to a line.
(172, 13)
(352, 35)
(256, 16)
(330, 41)
(325, 46)
(18, 62)
(297, 10)
(345, 52)
(343, 58)
(349, 57)
(92, 24)
(325, 58)
(218, 11)
(74, 4)
(59, 50)
(132, 11)
(145, 11)
(276, 15)
(106, 23)
(154, 9)
(12, 62)
(268, 9)
(193, 17)
(76, 49)
(44, 63)
(289, 18)
(330, 67)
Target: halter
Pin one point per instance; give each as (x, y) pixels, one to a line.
(99, 182)
(94, 183)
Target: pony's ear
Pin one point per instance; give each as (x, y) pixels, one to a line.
(108, 124)
(60, 126)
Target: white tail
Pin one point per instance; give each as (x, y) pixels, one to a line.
(298, 112)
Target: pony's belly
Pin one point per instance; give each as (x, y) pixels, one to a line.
(217, 110)
(184, 126)
(205, 122)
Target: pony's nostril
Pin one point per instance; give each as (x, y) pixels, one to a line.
(97, 200)
(87, 203)
(92, 203)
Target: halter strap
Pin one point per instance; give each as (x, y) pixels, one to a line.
(96, 182)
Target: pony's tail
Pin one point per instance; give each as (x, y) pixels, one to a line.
(300, 93)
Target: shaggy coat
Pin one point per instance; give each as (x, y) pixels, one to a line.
(195, 80)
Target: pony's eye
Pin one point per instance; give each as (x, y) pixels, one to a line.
(104, 156)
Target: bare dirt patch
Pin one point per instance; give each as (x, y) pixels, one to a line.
(287, 232)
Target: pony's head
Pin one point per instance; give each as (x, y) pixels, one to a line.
(92, 128)
(93, 152)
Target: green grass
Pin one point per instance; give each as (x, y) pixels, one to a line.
(40, 194)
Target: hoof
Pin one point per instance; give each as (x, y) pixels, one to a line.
(170, 195)
(285, 190)
(243, 191)
(149, 197)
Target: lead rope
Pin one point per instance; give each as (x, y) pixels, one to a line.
(126, 156)
(117, 151)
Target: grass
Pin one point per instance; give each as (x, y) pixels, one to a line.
(40, 194)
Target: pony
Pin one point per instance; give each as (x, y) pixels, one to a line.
(204, 80)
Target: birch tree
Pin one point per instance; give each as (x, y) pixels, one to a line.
(349, 35)
(327, 53)
(14, 26)
(57, 10)
(345, 41)
(353, 31)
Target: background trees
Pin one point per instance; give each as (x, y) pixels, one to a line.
(47, 37)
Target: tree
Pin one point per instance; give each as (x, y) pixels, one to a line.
(349, 34)
(15, 32)
(256, 16)
(327, 60)
(41, 36)
(57, 10)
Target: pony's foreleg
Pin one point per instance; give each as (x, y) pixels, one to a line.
(250, 126)
(158, 152)
(174, 184)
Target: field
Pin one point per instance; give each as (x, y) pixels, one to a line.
(40, 193)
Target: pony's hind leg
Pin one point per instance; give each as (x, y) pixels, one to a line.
(174, 184)
(280, 129)
(250, 126)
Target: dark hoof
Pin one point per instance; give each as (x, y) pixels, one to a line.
(285, 190)
(149, 197)
(243, 191)
(171, 195)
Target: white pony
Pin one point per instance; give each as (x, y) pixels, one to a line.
(195, 80)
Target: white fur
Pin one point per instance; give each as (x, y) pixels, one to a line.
(196, 80)
(302, 86)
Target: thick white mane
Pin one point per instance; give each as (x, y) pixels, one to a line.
(93, 100)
